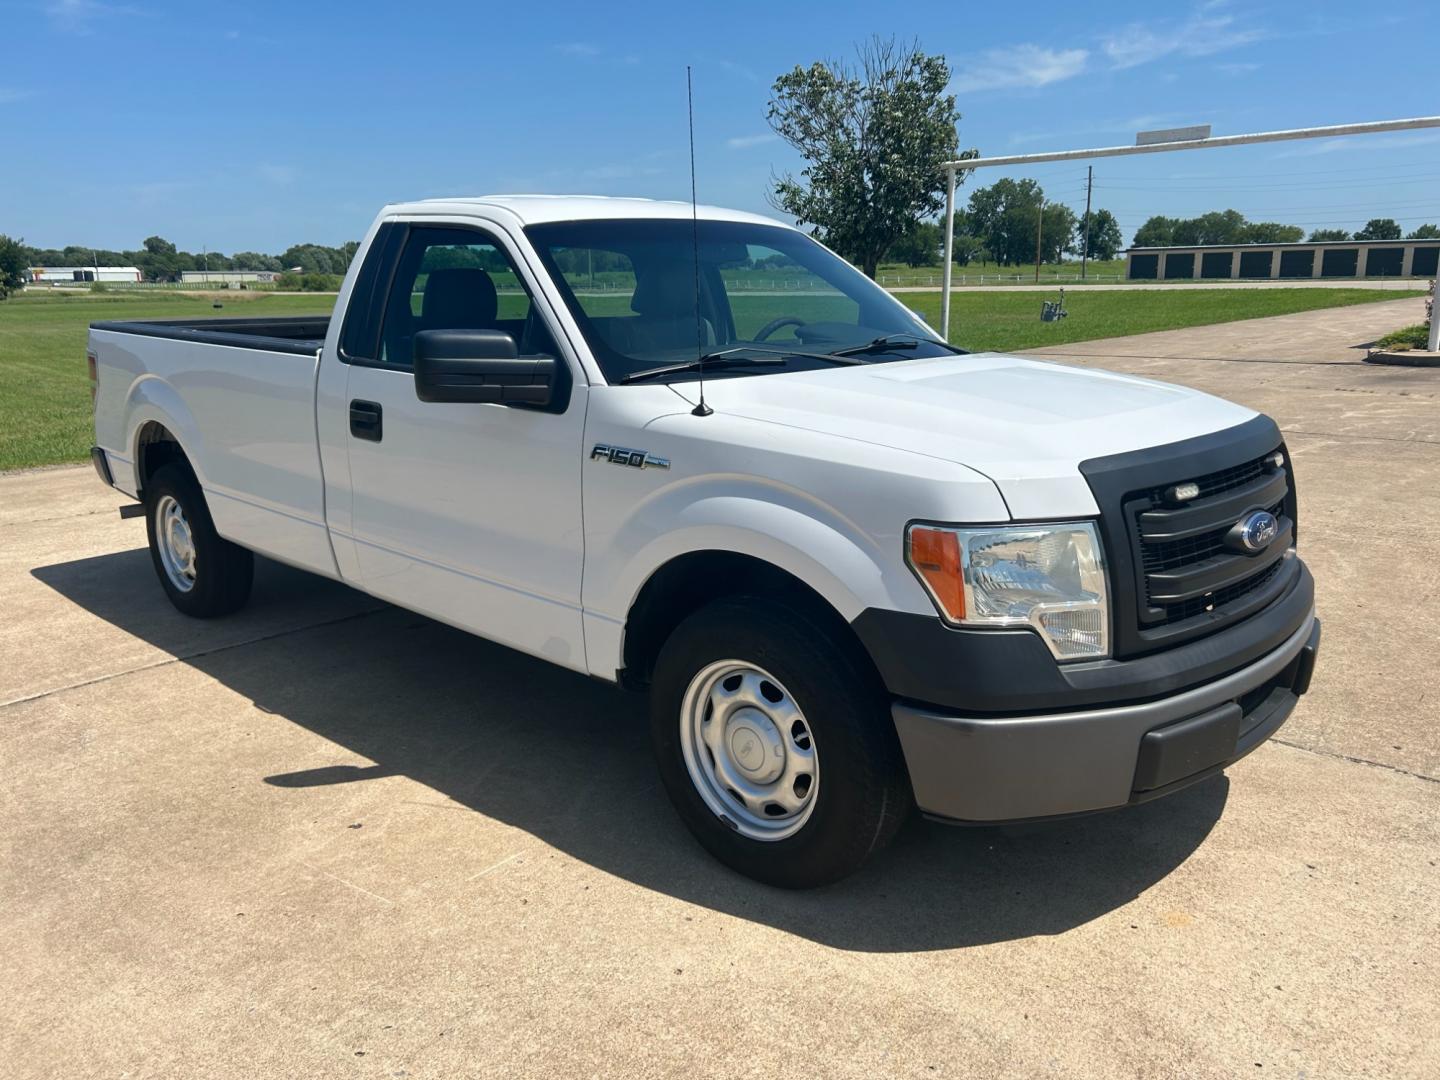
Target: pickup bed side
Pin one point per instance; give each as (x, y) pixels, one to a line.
(239, 402)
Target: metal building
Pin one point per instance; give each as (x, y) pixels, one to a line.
(1327, 259)
(68, 275)
(226, 278)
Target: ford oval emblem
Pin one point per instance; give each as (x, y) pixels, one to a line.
(1257, 531)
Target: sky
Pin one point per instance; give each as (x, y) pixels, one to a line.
(257, 125)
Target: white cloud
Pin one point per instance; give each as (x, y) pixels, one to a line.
(745, 142)
(1024, 66)
(1236, 69)
(1207, 30)
(578, 48)
(76, 16)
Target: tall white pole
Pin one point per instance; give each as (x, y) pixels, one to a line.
(1201, 144)
(1434, 322)
(949, 254)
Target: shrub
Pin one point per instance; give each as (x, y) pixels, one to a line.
(1409, 337)
(99, 286)
(309, 282)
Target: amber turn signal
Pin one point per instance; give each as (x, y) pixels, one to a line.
(935, 557)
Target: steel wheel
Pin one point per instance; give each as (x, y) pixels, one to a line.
(749, 750)
(176, 542)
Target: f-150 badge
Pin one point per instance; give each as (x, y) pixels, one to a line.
(623, 455)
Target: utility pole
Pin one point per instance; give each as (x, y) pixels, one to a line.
(1039, 228)
(1085, 243)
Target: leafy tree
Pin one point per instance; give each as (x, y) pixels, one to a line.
(873, 140)
(1105, 236)
(1216, 227)
(1058, 235)
(158, 245)
(1003, 214)
(1157, 231)
(968, 248)
(253, 260)
(1320, 235)
(920, 246)
(13, 264)
(1425, 232)
(1379, 229)
(1270, 232)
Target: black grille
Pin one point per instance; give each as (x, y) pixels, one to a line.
(1186, 568)
(1193, 609)
(1173, 578)
(1169, 554)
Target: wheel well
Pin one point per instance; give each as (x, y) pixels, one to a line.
(155, 447)
(689, 582)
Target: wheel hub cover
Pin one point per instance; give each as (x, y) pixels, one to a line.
(755, 745)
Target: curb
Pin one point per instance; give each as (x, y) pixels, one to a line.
(1404, 358)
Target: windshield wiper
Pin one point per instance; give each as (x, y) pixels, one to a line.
(724, 358)
(888, 342)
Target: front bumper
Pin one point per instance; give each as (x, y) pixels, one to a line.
(993, 768)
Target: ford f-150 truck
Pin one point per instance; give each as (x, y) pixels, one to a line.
(857, 569)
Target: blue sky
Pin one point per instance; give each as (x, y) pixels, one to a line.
(251, 126)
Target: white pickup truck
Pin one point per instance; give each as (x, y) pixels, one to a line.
(865, 571)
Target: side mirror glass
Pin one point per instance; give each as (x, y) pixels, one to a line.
(479, 366)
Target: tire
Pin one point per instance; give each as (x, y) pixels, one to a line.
(218, 573)
(858, 795)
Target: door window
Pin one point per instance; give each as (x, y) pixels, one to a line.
(457, 279)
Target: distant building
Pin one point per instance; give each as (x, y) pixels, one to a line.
(227, 278)
(1327, 259)
(68, 275)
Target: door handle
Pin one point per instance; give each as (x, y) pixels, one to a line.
(365, 420)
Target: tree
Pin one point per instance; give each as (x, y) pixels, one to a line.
(920, 246)
(1270, 232)
(1058, 236)
(1003, 215)
(1105, 236)
(1157, 231)
(873, 140)
(1380, 229)
(1425, 232)
(1321, 235)
(13, 264)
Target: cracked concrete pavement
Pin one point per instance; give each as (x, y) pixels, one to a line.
(326, 837)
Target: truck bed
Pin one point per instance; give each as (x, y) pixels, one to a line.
(300, 334)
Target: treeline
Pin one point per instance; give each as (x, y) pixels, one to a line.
(1005, 223)
(159, 260)
(1231, 227)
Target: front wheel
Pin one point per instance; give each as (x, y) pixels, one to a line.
(202, 573)
(776, 744)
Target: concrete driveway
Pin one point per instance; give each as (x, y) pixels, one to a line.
(330, 838)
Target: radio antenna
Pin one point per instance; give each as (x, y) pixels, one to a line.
(701, 409)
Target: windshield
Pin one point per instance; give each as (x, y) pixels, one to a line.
(630, 284)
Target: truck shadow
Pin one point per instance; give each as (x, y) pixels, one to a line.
(567, 759)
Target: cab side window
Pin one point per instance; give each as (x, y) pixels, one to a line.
(457, 279)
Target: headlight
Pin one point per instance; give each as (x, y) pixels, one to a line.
(1048, 577)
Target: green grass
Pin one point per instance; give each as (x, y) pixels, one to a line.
(44, 392)
(1007, 321)
(45, 397)
(1106, 271)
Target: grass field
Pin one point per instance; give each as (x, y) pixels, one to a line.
(45, 397)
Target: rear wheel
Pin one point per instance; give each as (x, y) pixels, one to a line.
(776, 744)
(202, 573)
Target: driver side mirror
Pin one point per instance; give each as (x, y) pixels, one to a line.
(479, 366)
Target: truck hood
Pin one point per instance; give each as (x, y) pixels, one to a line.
(1025, 424)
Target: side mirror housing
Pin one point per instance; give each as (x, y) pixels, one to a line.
(479, 366)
